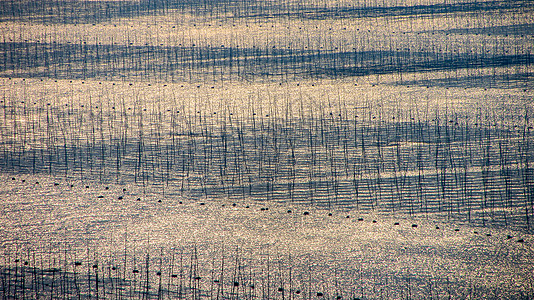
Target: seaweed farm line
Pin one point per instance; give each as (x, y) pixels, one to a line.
(131, 269)
(364, 147)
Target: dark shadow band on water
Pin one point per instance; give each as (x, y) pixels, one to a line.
(450, 164)
(174, 64)
(87, 12)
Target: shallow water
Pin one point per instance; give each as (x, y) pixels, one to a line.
(139, 137)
